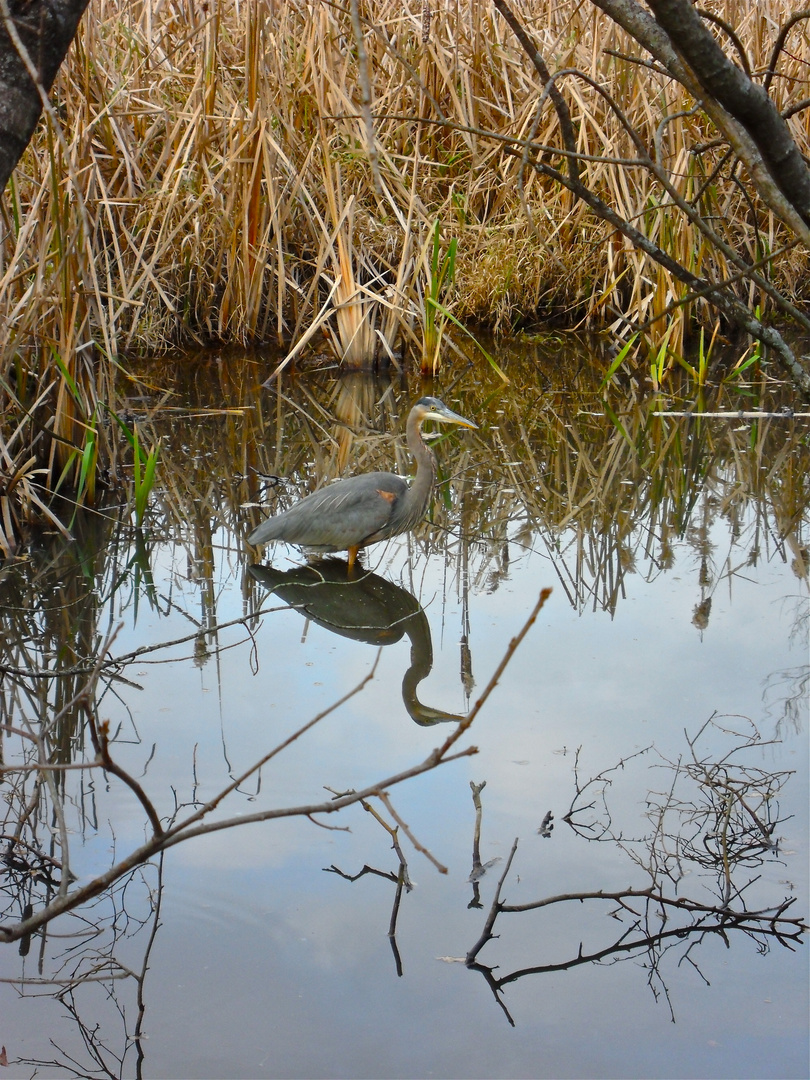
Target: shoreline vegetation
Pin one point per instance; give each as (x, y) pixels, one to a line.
(233, 188)
(313, 173)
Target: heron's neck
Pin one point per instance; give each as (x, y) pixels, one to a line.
(425, 461)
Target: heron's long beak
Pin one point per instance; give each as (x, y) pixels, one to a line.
(447, 416)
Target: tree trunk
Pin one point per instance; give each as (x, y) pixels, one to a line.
(44, 29)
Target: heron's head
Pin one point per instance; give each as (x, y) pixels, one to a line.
(430, 408)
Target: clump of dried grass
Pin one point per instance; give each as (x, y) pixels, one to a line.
(220, 152)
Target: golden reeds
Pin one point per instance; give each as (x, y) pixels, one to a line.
(238, 161)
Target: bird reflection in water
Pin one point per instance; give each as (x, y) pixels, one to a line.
(364, 608)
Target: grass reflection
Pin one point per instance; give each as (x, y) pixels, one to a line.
(602, 486)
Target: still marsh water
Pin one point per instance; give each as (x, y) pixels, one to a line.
(657, 708)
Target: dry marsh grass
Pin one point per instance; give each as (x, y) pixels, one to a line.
(244, 171)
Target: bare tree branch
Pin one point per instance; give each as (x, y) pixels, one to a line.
(652, 36)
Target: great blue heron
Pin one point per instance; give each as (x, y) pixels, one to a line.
(367, 508)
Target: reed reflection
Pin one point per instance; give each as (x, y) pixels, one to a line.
(363, 608)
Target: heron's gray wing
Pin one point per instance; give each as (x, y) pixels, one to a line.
(339, 516)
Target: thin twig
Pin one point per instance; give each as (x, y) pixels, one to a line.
(384, 799)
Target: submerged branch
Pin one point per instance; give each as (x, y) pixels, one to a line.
(193, 825)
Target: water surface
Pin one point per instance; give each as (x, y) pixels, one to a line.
(657, 708)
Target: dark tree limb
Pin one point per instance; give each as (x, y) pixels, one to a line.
(45, 29)
(779, 45)
(567, 128)
(748, 102)
(651, 35)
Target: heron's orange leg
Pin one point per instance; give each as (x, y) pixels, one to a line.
(353, 557)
